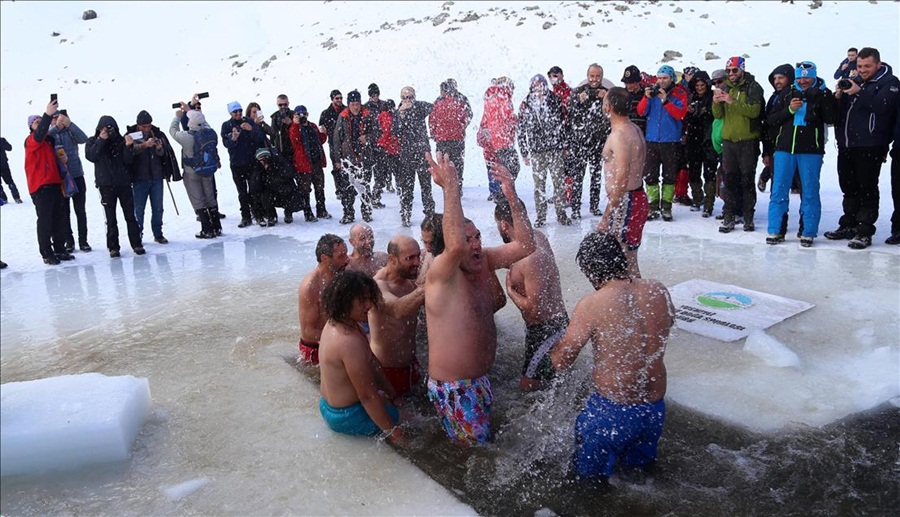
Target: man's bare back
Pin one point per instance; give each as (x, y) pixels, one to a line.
(533, 284)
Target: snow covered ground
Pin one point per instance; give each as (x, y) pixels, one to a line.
(209, 366)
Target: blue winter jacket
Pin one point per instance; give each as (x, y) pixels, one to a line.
(69, 138)
(243, 150)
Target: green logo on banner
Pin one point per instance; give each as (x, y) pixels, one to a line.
(725, 300)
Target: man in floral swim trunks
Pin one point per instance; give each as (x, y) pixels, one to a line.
(459, 307)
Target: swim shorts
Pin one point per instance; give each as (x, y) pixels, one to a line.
(607, 431)
(464, 407)
(539, 339)
(309, 352)
(353, 420)
(627, 221)
(403, 378)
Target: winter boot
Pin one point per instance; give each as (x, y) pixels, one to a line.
(653, 199)
(696, 196)
(206, 231)
(668, 194)
(215, 221)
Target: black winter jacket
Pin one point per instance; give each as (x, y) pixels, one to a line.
(788, 134)
(542, 127)
(867, 118)
(108, 156)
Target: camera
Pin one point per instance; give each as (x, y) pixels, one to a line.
(654, 90)
(798, 94)
(203, 95)
(845, 84)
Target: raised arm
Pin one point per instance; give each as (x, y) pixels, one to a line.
(522, 243)
(445, 265)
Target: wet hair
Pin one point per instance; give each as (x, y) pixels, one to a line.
(503, 212)
(601, 258)
(345, 288)
(427, 224)
(869, 52)
(250, 107)
(617, 97)
(326, 245)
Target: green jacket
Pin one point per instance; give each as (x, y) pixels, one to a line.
(743, 118)
(717, 135)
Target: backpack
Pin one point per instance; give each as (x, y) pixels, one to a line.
(205, 161)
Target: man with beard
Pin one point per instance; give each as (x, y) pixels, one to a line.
(364, 257)
(459, 307)
(331, 255)
(154, 161)
(351, 148)
(589, 130)
(393, 324)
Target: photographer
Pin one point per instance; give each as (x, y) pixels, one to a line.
(867, 107)
(798, 119)
(589, 129)
(111, 155)
(242, 137)
(701, 157)
(153, 161)
(665, 105)
(309, 160)
(69, 136)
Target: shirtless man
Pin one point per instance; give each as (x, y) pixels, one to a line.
(393, 324)
(364, 257)
(426, 229)
(352, 385)
(533, 285)
(459, 303)
(331, 255)
(628, 321)
(623, 157)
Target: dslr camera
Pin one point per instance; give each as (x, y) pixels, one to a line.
(654, 90)
(846, 84)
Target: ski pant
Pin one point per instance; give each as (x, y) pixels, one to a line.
(78, 202)
(122, 195)
(667, 156)
(456, 151)
(858, 171)
(739, 160)
(810, 167)
(51, 228)
(412, 166)
(241, 175)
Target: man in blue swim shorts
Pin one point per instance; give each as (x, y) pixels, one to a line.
(459, 306)
(355, 392)
(628, 321)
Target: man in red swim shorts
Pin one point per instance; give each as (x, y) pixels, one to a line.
(331, 255)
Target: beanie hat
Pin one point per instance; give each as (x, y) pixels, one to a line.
(335, 93)
(354, 96)
(632, 75)
(735, 62)
(263, 152)
(555, 70)
(373, 89)
(144, 118)
(234, 106)
(690, 70)
(301, 110)
(666, 70)
(196, 120)
(32, 118)
(805, 69)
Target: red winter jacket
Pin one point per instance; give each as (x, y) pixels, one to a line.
(562, 90)
(40, 159)
(498, 124)
(387, 140)
(301, 159)
(448, 119)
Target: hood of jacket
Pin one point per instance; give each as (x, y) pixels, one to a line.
(106, 120)
(785, 70)
(699, 76)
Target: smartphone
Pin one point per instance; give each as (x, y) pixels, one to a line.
(203, 95)
(176, 105)
(52, 97)
(64, 112)
(137, 135)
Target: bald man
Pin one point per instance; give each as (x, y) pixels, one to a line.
(393, 324)
(364, 257)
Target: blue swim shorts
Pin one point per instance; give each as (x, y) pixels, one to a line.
(353, 419)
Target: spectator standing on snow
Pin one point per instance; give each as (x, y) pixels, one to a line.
(201, 190)
(410, 126)
(309, 160)
(153, 161)
(67, 134)
(6, 174)
(701, 157)
(351, 147)
(242, 137)
(589, 131)
(543, 140)
(447, 122)
(497, 133)
(847, 68)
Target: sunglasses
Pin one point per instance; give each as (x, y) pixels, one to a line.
(732, 70)
(407, 97)
(338, 98)
(283, 105)
(805, 65)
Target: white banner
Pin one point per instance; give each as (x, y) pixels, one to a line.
(728, 312)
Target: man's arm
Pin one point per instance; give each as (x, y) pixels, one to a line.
(360, 365)
(616, 160)
(446, 264)
(77, 134)
(308, 307)
(404, 306)
(533, 284)
(522, 243)
(577, 335)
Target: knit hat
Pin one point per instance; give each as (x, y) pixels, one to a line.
(334, 93)
(554, 70)
(735, 62)
(301, 110)
(196, 120)
(805, 69)
(234, 106)
(354, 96)
(373, 89)
(263, 153)
(32, 118)
(632, 75)
(666, 70)
(144, 118)
(690, 70)
(718, 74)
